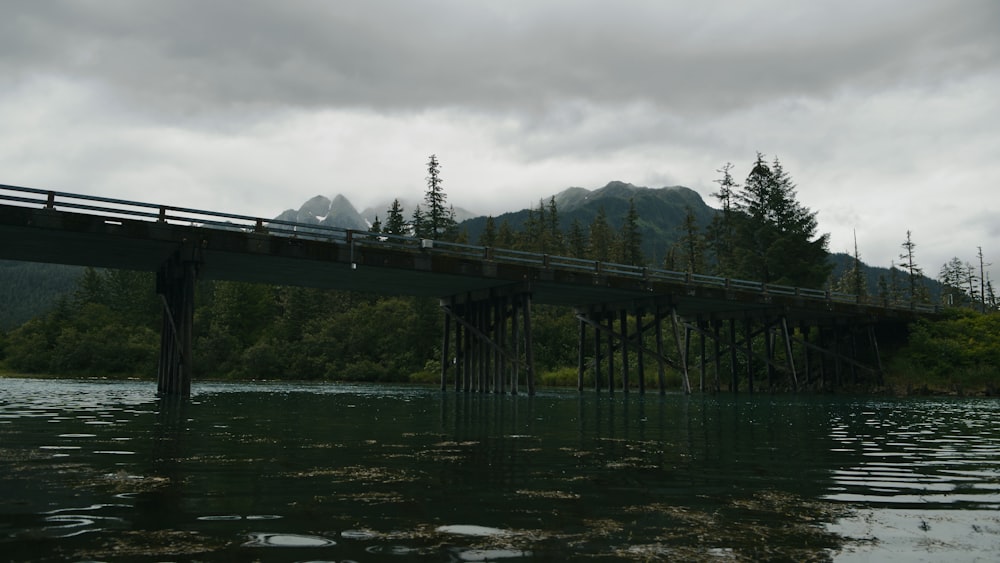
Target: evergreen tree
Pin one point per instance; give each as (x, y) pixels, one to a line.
(776, 238)
(721, 231)
(601, 237)
(439, 222)
(689, 255)
(853, 280)
(553, 228)
(917, 293)
(419, 225)
(630, 239)
(376, 226)
(950, 276)
(395, 223)
(505, 236)
(489, 235)
(577, 240)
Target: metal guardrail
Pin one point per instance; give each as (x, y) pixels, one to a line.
(123, 209)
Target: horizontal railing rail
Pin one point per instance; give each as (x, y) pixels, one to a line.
(112, 209)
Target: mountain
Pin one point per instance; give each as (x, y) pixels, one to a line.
(661, 212)
(321, 210)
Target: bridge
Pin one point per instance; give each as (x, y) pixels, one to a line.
(485, 293)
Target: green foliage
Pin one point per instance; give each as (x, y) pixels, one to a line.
(28, 289)
(775, 237)
(960, 353)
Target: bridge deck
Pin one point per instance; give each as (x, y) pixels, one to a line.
(137, 236)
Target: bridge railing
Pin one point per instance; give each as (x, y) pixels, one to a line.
(113, 209)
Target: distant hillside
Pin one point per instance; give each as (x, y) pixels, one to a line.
(29, 289)
(661, 212)
(843, 262)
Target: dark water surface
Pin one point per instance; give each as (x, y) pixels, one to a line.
(103, 471)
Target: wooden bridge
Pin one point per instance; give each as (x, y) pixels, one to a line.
(486, 294)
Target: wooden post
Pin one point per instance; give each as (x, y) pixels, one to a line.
(658, 322)
(528, 352)
(640, 359)
(515, 335)
(748, 325)
(579, 355)
(611, 354)
(735, 385)
(716, 334)
(878, 357)
(597, 354)
(502, 339)
(682, 352)
(804, 329)
(769, 353)
(446, 341)
(623, 321)
(467, 371)
(788, 351)
(701, 349)
(175, 284)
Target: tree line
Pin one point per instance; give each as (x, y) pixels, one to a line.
(110, 324)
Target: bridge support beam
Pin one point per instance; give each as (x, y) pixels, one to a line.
(492, 342)
(175, 285)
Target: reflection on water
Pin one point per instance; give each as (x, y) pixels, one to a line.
(910, 458)
(284, 472)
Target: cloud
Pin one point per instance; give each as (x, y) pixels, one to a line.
(884, 113)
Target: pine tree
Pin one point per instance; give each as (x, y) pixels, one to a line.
(630, 239)
(419, 225)
(689, 255)
(776, 238)
(601, 237)
(721, 232)
(395, 222)
(917, 292)
(853, 280)
(438, 223)
(505, 236)
(576, 240)
(553, 228)
(950, 277)
(489, 235)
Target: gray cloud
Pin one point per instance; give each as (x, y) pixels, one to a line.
(515, 56)
(884, 113)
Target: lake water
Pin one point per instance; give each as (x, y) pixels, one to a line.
(103, 471)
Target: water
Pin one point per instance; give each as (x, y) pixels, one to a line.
(102, 471)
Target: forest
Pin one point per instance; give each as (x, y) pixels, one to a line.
(108, 326)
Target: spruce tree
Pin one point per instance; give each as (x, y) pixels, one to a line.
(721, 231)
(917, 292)
(601, 237)
(395, 223)
(438, 222)
(489, 235)
(776, 239)
(689, 253)
(576, 240)
(630, 239)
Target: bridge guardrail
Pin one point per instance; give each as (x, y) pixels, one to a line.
(123, 209)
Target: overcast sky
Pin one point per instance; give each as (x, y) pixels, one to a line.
(886, 114)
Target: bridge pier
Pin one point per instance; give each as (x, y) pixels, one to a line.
(175, 285)
(492, 342)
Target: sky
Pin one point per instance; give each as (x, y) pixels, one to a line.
(886, 114)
